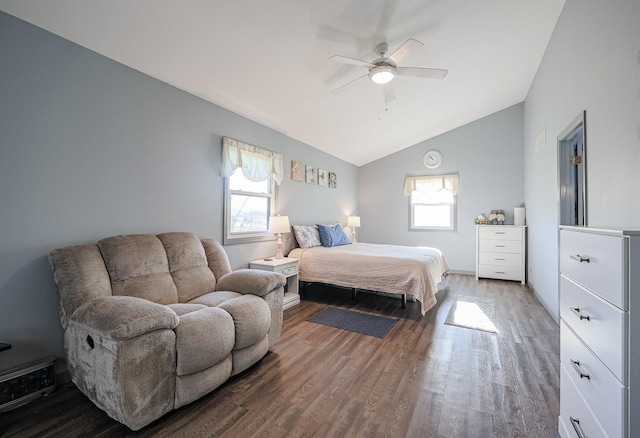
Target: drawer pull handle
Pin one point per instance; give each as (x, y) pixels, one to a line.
(500, 232)
(576, 310)
(576, 366)
(576, 426)
(500, 259)
(500, 272)
(499, 246)
(579, 258)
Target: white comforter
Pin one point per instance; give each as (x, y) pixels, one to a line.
(384, 268)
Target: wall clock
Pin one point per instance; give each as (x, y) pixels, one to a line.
(432, 158)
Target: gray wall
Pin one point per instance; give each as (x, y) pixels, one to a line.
(90, 148)
(487, 154)
(592, 63)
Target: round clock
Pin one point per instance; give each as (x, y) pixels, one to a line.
(432, 159)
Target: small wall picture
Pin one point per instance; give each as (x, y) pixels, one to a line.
(323, 178)
(312, 174)
(333, 180)
(297, 171)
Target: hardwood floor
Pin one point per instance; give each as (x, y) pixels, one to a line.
(424, 379)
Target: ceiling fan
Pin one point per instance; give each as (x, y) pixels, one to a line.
(385, 68)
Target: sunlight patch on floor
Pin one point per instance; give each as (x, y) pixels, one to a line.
(471, 315)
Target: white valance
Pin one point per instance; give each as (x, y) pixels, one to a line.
(257, 164)
(431, 184)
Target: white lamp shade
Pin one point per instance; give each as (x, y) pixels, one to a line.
(279, 224)
(353, 221)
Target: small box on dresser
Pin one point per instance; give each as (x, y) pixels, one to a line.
(289, 268)
(501, 252)
(599, 332)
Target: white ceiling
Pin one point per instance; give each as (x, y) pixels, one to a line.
(268, 59)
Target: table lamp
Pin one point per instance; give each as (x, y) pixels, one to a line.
(353, 222)
(279, 225)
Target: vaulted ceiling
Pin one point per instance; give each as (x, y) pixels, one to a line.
(268, 59)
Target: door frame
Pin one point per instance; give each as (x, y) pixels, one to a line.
(569, 132)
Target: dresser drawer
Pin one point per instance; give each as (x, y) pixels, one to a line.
(604, 273)
(599, 324)
(289, 270)
(601, 390)
(500, 272)
(574, 412)
(513, 246)
(500, 259)
(500, 233)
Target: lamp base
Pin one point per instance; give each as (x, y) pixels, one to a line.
(279, 254)
(353, 235)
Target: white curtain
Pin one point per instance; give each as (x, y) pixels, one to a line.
(431, 184)
(257, 164)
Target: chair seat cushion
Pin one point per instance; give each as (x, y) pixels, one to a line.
(203, 338)
(214, 299)
(251, 319)
(184, 308)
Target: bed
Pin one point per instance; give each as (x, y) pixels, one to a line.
(394, 269)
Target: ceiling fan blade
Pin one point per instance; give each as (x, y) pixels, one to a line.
(402, 51)
(348, 85)
(431, 73)
(351, 61)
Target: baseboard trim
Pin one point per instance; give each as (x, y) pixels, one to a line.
(455, 271)
(533, 289)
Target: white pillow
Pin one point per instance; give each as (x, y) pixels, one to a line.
(307, 236)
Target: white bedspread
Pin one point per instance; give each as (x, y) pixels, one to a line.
(384, 268)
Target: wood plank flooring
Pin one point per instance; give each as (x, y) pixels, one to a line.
(424, 379)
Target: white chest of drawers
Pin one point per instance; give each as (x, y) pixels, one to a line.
(500, 252)
(599, 332)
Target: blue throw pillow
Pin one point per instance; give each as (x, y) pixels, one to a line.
(332, 235)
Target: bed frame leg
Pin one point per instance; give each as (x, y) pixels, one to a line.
(404, 301)
(354, 293)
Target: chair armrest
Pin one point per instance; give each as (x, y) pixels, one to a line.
(251, 281)
(120, 317)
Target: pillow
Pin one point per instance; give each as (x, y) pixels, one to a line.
(332, 235)
(307, 236)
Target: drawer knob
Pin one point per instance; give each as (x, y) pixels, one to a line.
(576, 426)
(578, 368)
(579, 258)
(576, 310)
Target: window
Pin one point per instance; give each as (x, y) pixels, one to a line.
(432, 201)
(248, 206)
(251, 174)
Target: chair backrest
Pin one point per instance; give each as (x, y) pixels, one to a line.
(168, 268)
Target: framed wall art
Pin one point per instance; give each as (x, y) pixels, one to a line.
(333, 180)
(297, 171)
(323, 178)
(311, 174)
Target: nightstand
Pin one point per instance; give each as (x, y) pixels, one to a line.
(287, 267)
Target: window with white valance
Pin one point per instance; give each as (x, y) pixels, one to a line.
(432, 201)
(431, 184)
(250, 176)
(257, 164)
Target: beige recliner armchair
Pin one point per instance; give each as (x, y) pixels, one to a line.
(155, 322)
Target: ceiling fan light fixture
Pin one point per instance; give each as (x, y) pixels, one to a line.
(382, 74)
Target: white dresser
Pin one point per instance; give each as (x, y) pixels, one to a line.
(599, 337)
(500, 252)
